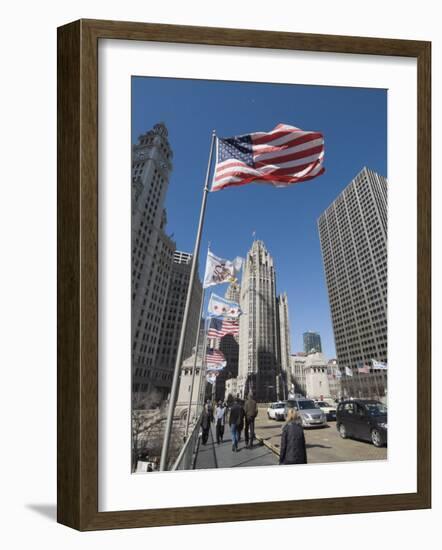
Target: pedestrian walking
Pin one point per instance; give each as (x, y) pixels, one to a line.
(210, 409)
(251, 412)
(206, 419)
(241, 424)
(292, 449)
(220, 418)
(236, 419)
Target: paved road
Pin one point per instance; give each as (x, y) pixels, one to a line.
(213, 455)
(323, 444)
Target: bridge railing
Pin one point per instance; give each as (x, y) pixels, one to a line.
(186, 459)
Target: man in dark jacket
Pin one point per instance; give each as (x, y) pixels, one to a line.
(292, 450)
(251, 412)
(236, 418)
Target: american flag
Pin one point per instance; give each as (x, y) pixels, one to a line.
(215, 357)
(282, 157)
(220, 327)
(364, 369)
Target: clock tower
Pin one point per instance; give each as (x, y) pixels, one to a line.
(152, 257)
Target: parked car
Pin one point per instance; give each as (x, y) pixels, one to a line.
(327, 409)
(309, 414)
(276, 410)
(364, 419)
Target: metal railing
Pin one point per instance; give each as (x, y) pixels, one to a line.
(185, 460)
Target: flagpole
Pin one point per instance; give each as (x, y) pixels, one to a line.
(361, 390)
(203, 365)
(176, 374)
(375, 378)
(376, 382)
(189, 409)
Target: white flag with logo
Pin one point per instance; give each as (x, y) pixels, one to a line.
(219, 270)
(378, 365)
(348, 371)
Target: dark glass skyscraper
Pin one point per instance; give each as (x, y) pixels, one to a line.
(312, 342)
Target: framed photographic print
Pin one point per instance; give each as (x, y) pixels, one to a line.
(243, 275)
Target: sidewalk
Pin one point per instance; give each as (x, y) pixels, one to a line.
(213, 455)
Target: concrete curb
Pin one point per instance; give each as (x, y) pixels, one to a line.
(261, 439)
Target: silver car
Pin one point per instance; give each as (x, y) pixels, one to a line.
(310, 415)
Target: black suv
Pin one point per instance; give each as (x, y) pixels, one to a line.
(363, 419)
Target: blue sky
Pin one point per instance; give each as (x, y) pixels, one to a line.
(354, 124)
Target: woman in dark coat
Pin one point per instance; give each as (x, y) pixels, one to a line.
(292, 441)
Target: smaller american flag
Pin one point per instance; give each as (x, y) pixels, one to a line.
(364, 369)
(215, 358)
(221, 327)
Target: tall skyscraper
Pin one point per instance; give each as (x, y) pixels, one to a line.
(353, 235)
(173, 317)
(259, 362)
(312, 342)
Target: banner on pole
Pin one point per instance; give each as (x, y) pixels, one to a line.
(378, 365)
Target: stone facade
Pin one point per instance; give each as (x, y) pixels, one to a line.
(297, 383)
(160, 275)
(152, 252)
(284, 341)
(174, 311)
(231, 389)
(334, 382)
(183, 399)
(316, 376)
(259, 363)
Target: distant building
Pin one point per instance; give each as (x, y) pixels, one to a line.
(233, 292)
(297, 382)
(182, 404)
(312, 342)
(284, 340)
(309, 375)
(231, 389)
(334, 380)
(316, 377)
(173, 315)
(353, 236)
